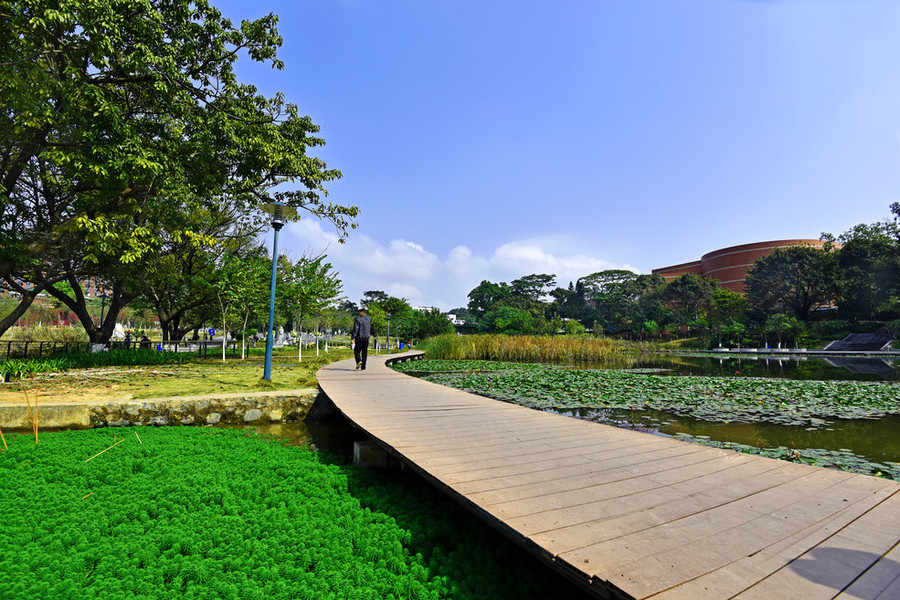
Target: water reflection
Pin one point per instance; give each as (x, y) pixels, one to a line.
(783, 367)
(334, 435)
(874, 439)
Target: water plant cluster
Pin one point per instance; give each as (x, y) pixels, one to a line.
(213, 513)
(844, 459)
(20, 367)
(736, 399)
(536, 349)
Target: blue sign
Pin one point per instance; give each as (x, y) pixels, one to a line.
(212, 332)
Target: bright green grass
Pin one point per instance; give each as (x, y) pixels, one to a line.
(219, 514)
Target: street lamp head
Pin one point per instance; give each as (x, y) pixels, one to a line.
(280, 213)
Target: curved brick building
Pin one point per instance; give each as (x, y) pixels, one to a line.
(729, 265)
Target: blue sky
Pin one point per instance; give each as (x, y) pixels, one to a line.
(495, 139)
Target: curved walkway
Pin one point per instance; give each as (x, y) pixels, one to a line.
(632, 515)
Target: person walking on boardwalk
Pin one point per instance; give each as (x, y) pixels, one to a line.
(362, 330)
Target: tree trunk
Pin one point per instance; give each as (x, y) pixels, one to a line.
(27, 298)
(78, 305)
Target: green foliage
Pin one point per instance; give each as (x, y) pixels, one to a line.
(575, 328)
(508, 320)
(306, 286)
(213, 513)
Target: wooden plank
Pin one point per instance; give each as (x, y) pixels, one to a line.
(684, 498)
(515, 453)
(722, 546)
(839, 561)
(453, 474)
(616, 518)
(633, 476)
(631, 466)
(635, 548)
(642, 454)
(748, 570)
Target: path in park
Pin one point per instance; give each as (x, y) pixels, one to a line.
(629, 514)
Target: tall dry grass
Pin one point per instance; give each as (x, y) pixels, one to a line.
(534, 349)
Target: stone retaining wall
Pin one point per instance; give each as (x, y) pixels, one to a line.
(257, 407)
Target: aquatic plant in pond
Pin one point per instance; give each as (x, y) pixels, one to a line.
(789, 402)
(845, 460)
(208, 513)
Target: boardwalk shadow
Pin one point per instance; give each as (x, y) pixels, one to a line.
(829, 566)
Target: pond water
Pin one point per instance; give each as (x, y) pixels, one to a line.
(334, 434)
(784, 367)
(875, 440)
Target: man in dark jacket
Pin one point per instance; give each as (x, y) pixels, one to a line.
(362, 330)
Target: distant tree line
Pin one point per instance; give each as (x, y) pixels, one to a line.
(794, 295)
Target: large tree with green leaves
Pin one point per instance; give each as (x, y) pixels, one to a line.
(793, 280)
(869, 279)
(121, 117)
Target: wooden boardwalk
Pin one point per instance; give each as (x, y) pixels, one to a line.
(632, 515)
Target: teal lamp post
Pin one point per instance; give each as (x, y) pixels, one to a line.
(279, 212)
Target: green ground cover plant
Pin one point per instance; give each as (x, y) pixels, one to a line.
(220, 514)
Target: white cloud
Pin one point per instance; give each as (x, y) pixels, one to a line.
(408, 270)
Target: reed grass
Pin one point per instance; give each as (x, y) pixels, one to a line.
(562, 350)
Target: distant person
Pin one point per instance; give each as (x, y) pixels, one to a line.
(362, 331)
(145, 342)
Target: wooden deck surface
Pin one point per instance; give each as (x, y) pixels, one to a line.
(629, 514)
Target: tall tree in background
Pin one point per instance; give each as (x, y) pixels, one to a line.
(605, 297)
(793, 280)
(122, 117)
(486, 296)
(307, 285)
(689, 296)
(869, 262)
(241, 283)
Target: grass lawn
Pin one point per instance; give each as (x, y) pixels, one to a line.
(208, 375)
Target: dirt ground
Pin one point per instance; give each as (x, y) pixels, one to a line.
(74, 387)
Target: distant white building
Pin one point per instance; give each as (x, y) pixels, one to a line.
(450, 317)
